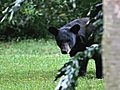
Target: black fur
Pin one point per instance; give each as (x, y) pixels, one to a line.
(74, 37)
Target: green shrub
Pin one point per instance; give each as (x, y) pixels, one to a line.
(34, 17)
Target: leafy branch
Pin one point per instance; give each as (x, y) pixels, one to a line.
(69, 73)
(11, 9)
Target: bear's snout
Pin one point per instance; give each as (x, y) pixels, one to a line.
(64, 52)
(65, 48)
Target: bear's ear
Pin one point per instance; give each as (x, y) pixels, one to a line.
(53, 31)
(74, 29)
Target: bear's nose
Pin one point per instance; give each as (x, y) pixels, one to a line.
(64, 52)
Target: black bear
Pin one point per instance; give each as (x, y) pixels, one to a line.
(74, 37)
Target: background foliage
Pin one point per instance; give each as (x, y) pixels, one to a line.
(35, 16)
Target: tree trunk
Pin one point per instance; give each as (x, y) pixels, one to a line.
(111, 44)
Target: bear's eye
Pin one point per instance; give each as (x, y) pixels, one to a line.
(61, 41)
(68, 40)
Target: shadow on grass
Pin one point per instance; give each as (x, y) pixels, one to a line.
(90, 74)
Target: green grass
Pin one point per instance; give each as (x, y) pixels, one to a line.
(32, 65)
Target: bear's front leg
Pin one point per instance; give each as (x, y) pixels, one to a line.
(83, 68)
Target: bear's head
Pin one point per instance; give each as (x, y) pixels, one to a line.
(65, 38)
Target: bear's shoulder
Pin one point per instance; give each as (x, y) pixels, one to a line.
(81, 21)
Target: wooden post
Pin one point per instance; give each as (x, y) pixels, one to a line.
(111, 44)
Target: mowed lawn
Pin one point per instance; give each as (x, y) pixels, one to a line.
(32, 65)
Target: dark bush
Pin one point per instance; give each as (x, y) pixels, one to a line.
(35, 16)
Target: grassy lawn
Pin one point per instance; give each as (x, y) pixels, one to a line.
(32, 65)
